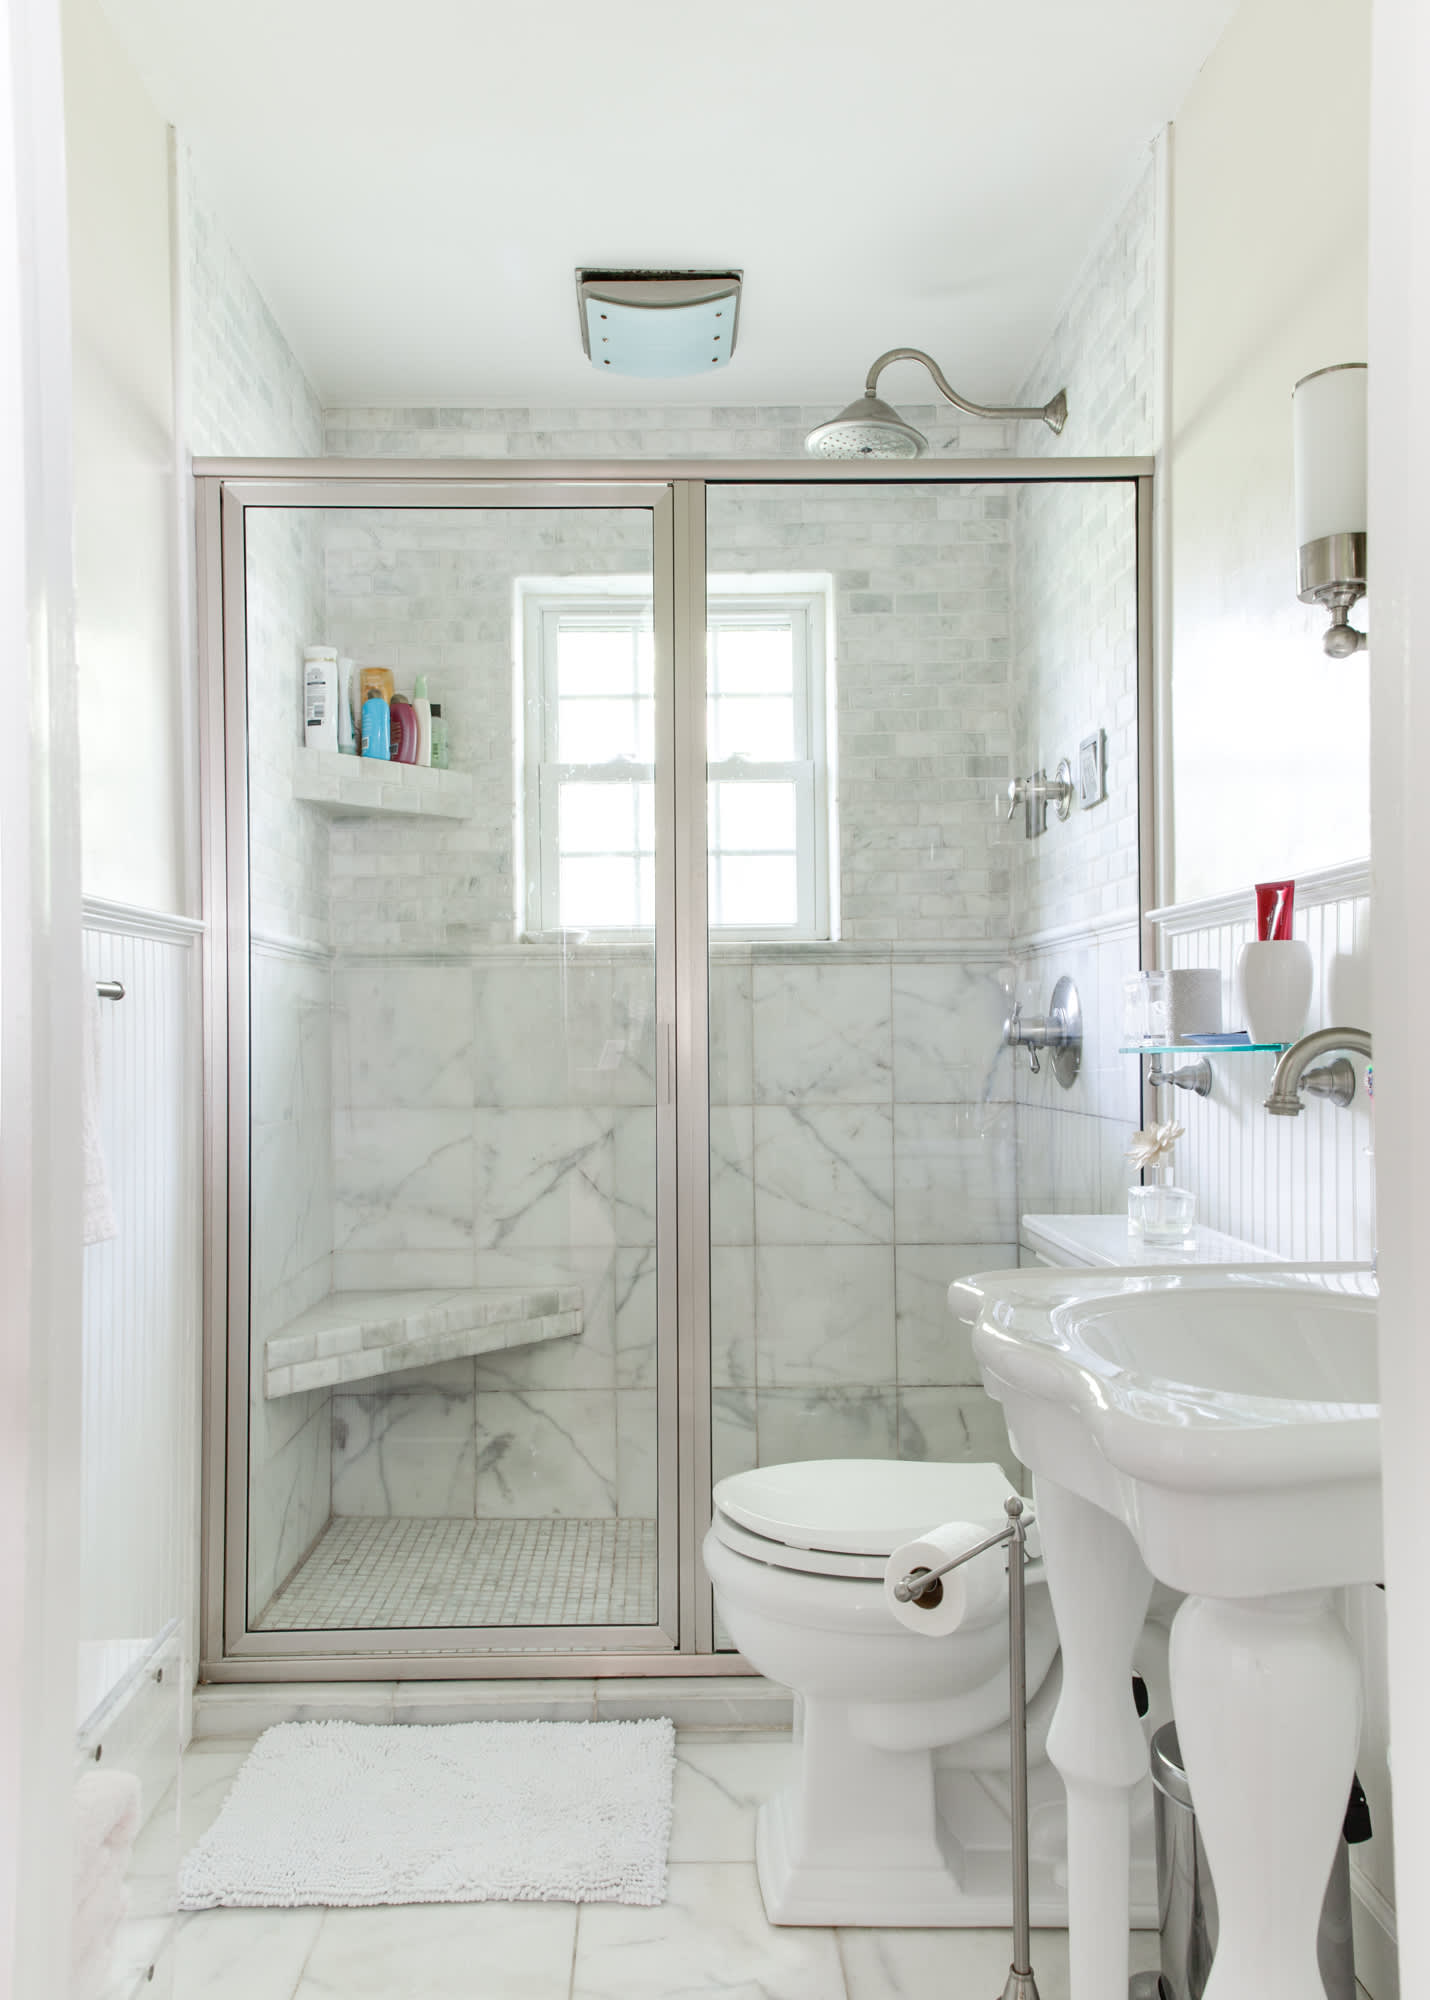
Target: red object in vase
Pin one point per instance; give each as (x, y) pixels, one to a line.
(1275, 907)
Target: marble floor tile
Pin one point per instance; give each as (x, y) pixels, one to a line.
(243, 1954)
(932, 1965)
(720, 1783)
(207, 1775)
(509, 1951)
(709, 1937)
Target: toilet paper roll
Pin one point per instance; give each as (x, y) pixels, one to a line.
(970, 1596)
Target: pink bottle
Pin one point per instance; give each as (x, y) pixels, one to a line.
(404, 730)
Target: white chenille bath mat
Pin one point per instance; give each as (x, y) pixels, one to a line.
(344, 1815)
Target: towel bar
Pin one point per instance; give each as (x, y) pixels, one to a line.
(110, 989)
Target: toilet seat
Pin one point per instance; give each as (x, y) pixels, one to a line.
(845, 1517)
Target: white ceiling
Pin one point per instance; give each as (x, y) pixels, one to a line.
(413, 184)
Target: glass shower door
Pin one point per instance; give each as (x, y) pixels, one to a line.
(456, 1385)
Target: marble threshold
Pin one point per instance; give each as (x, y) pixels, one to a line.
(352, 1336)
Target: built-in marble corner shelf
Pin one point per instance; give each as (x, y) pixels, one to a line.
(355, 787)
(354, 1336)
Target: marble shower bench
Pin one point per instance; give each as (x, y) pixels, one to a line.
(353, 1336)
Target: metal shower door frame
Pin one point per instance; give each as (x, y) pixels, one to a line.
(675, 491)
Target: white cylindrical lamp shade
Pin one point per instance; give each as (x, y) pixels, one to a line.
(1329, 430)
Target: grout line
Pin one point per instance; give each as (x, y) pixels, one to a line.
(575, 1947)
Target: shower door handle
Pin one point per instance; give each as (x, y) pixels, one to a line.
(664, 1062)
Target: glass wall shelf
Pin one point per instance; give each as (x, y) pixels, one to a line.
(1202, 1048)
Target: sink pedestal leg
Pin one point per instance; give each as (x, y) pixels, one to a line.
(1268, 1705)
(1100, 1588)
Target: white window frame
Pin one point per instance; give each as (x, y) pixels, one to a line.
(542, 602)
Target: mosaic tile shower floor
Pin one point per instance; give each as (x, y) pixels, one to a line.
(379, 1575)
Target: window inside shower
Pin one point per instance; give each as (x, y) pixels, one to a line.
(610, 1112)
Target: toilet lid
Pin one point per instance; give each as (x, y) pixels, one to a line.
(860, 1506)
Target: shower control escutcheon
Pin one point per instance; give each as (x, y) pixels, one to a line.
(1059, 1030)
(1037, 793)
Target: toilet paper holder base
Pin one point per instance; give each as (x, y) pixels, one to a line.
(925, 1587)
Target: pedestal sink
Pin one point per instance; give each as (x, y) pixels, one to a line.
(1219, 1432)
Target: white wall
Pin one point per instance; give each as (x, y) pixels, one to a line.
(132, 708)
(1269, 179)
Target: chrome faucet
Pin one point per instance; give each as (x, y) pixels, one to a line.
(1336, 1080)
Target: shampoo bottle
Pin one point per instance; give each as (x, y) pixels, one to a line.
(375, 727)
(439, 738)
(320, 697)
(404, 730)
(424, 720)
(347, 737)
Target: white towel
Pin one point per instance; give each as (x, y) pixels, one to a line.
(99, 1223)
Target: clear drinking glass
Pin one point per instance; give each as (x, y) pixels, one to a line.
(1145, 1017)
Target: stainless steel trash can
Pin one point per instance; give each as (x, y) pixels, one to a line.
(1187, 1898)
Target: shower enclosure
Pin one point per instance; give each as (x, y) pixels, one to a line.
(610, 1111)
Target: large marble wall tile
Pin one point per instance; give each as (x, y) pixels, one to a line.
(289, 1505)
(1059, 1161)
(734, 1445)
(544, 1178)
(731, 1032)
(933, 1347)
(401, 1270)
(825, 1174)
(290, 1038)
(403, 1180)
(408, 1450)
(558, 1031)
(1116, 1172)
(636, 1454)
(824, 1315)
(291, 1208)
(586, 1360)
(732, 1174)
(635, 1175)
(549, 1452)
(732, 1317)
(954, 1173)
(822, 1034)
(1119, 1077)
(948, 1032)
(826, 1423)
(957, 1427)
(403, 1036)
(634, 1277)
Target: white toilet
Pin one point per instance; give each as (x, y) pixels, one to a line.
(898, 1813)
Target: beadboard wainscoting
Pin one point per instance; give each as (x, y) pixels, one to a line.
(140, 1389)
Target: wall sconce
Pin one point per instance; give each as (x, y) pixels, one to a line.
(1328, 426)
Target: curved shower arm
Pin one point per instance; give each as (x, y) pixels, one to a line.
(1053, 414)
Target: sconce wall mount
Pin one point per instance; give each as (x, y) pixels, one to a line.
(1328, 416)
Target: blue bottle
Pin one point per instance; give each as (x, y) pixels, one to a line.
(376, 728)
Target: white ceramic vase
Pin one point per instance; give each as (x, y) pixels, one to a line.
(1273, 988)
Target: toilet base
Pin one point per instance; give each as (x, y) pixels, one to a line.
(962, 1883)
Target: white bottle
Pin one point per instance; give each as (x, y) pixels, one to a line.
(347, 736)
(320, 697)
(424, 720)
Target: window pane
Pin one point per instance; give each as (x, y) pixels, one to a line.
(595, 662)
(597, 819)
(645, 662)
(600, 894)
(748, 726)
(752, 817)
(754, 659)
(597, 732)
(754, 891)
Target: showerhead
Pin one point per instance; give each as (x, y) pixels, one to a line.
(869, 428)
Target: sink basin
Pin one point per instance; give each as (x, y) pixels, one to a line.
(1230, 1419)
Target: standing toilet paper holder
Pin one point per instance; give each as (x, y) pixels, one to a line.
(924, 1587)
